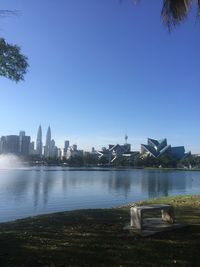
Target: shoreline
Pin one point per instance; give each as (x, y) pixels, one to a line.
(122, 206)
(95, 237)
(107, 168)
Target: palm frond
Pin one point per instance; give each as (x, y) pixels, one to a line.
(198, 12)
(175, 11)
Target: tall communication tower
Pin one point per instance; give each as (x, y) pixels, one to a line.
(126, 138)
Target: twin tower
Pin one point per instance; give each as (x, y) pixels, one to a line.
(48, 148)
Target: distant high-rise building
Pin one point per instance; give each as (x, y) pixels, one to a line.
(74, 147)
(48, 143)
(12, 144)
(66, 147)
(21, 135)
(32, 146)
(59, 153)
(54, 149)
(39, 141)
(66, 144)
(25, 146)
(3, 145)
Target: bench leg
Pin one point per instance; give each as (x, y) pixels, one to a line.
(168, 215)
(136, 218)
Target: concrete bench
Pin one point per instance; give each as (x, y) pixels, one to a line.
(137, 214)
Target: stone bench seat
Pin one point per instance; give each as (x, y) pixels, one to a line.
(137, 214)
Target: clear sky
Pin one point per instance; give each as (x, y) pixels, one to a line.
(99, 68)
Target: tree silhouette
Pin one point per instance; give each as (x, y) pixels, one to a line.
(13, 64)
(175, 11)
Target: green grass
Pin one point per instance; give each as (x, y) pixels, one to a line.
(96, 238)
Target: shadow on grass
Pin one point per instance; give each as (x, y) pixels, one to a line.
(97, 238)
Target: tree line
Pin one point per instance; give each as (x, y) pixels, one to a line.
(136, 161)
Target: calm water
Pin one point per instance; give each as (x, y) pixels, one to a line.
(32, 191)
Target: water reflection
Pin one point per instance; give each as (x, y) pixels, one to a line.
(155, 185)
(34, 191)
(120, 182)
(161, 183)
(15, 184)
(47, 182)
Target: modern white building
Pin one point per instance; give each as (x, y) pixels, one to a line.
(156, 148)
(73, 152)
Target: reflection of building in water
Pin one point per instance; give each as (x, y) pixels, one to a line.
(43, 184)
(119, 181)
(160, 183)
(36, 191)
(155, 186)
(20, 185)
(48, 181)
(178, 181)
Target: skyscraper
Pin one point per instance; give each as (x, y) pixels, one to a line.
(54, 149)
(25, 145)
(21, 135)
(66, 145)
(12, 144)
(48, 143)
(39, 141)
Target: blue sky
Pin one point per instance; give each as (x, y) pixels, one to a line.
(99, 68)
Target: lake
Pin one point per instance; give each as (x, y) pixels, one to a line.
(38, 190)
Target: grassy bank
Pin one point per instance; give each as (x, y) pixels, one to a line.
(96, 238)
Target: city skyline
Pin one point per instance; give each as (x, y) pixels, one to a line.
(44, 146)
(102, 69)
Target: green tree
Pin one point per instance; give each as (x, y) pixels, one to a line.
(137, 161)
(90, 160)
(190, 161)
(13, 64)
(167, 161)
(121, 161)
(103, 161)
(76, 161)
